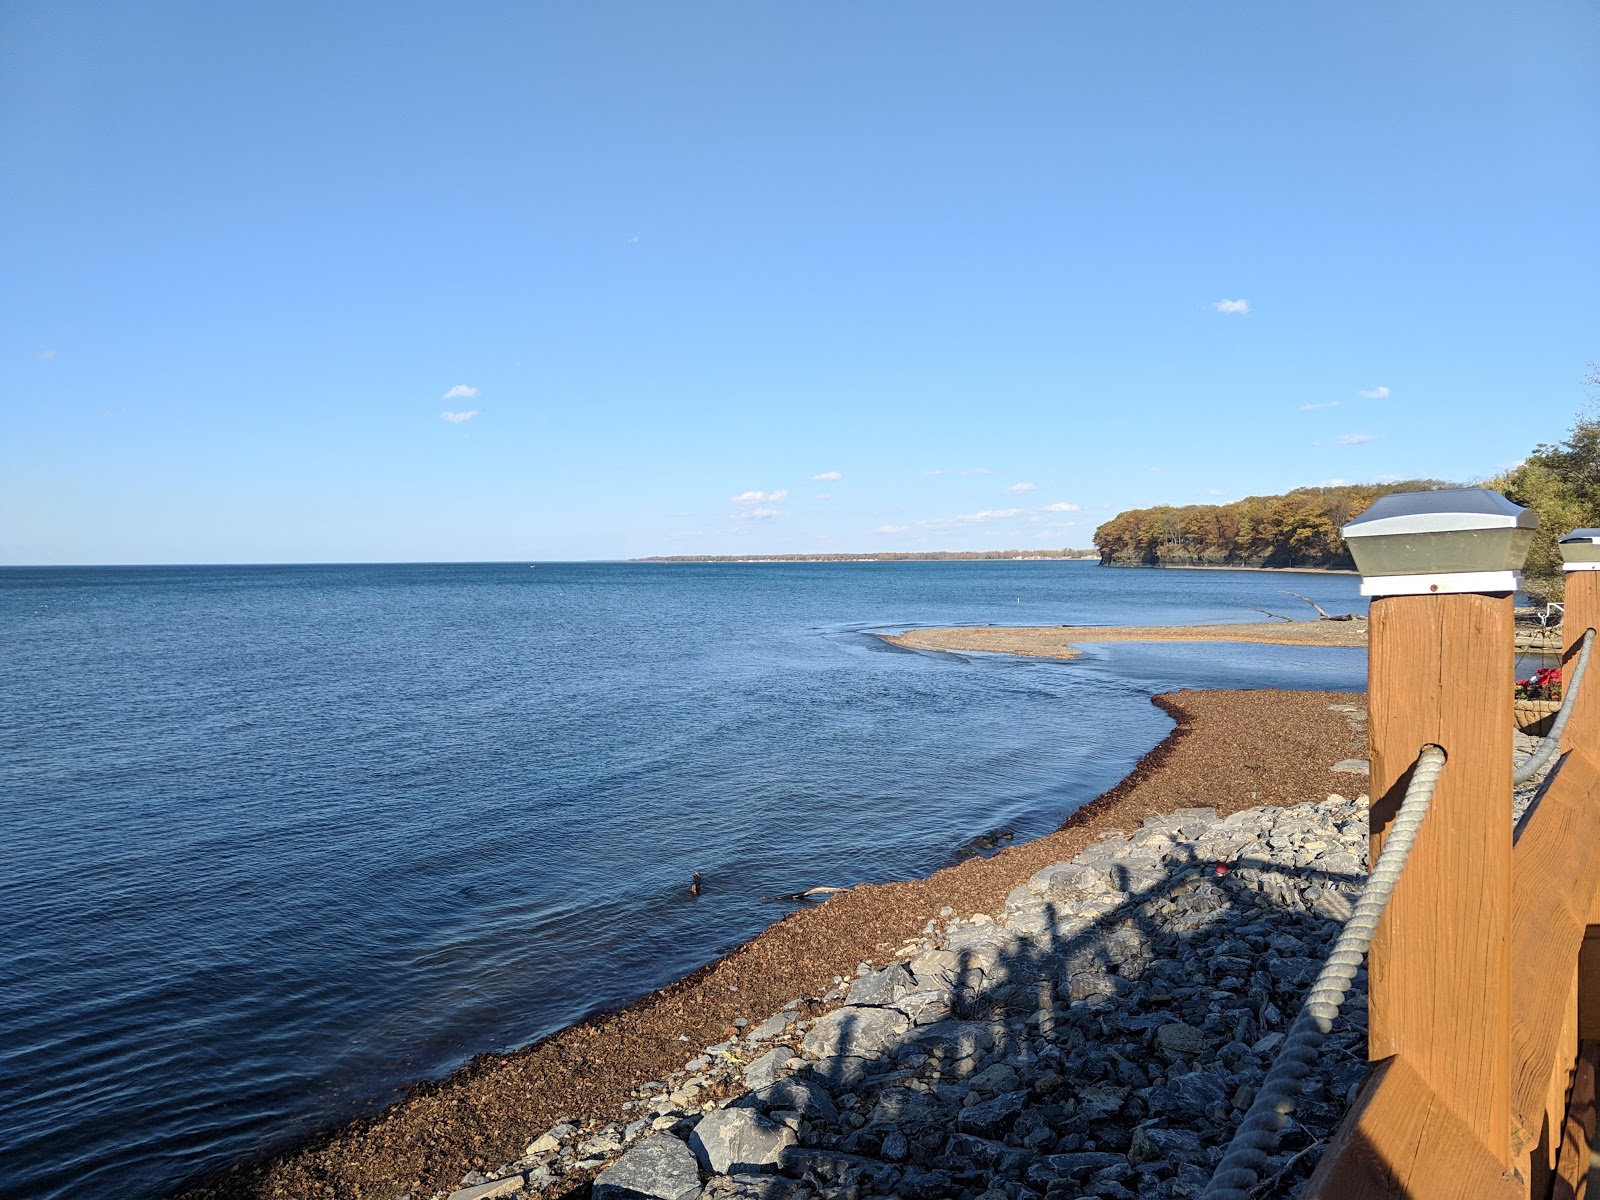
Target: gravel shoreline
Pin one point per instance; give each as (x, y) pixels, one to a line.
(1231, 751)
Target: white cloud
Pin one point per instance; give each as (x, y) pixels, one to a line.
(931, 474)
(978, 471)
(1022, 487)
(824, 495)
(1216, 492)
(991, 514)
(826, 477)
(1239, 307)
(1062, 508)
(892, 529)
(1378, 393)
(1315, 407)
(1355, 439)
(457, 418)
(749, 498)
(760, 514)
(47, 354)
(461, 392)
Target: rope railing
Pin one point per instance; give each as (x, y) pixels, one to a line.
(1256, 1139)
(1552, 741)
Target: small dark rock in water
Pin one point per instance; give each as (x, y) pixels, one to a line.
(985, 844)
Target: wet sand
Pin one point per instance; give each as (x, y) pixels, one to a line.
(1057, 641)
(1231, 750)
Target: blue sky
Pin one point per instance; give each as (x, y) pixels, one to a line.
(311, 282)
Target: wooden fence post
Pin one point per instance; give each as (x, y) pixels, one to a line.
(1582, 613)
(1440, 671)
(1443, 567)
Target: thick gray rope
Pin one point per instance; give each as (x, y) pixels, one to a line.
(1256, 1139)
(1552, 740)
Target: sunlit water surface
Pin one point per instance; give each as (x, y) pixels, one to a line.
(280, 840)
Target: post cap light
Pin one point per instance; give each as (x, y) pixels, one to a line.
(1580, 550)
(1450, 540)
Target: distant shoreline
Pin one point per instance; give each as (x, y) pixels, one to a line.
(931, 556)
(1219, 567)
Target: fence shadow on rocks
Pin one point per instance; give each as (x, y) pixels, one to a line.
(1095, 1044)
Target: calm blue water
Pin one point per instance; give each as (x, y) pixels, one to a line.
(279, 840)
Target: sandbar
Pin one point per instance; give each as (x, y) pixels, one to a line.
(1058, 641)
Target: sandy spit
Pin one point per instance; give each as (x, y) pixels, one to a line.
(1057, 641)
(1230, 750)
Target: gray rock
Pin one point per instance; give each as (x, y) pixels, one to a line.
(1098, 1101)
(1165, 1145)
(486, 1191)
(926, 1007)
(826, 1166)
(992, 1118)
(895, 1146)
(856, 1032)
(755, 1187)
(767, 1069)
(1078, 1165)
(659, 1168)
(809, 1099)
(739, 1141)
(882, 988)
(1178, 1038)
(773, 1026)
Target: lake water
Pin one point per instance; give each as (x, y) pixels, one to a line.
(279, 840)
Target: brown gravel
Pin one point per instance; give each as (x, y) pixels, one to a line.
(1055, 641)
(1230, 750)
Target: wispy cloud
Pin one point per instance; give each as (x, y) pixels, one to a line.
(892, 529)
(1355, 439)
(826, 477)
(1315, 407)
(760, 514)
(824, 495)
(978, 471)
(1216, 492)
(1378, 393)
(1062, 508)
(976, 518)
(1237, 307)
(749, 498)
(461, 392)
(47, 354)
(458, 418)
(931, 474)
(1018, 488)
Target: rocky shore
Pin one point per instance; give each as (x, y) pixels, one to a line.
(1101, 1038)
(946, 1036)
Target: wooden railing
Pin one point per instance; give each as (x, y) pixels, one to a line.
(1484, 976)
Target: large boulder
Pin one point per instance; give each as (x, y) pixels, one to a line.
(810, 1100)
(739, 1141)
(856, 1033)
(658, 1168)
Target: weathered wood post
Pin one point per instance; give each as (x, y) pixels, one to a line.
(1442, 568)
(1580, 551)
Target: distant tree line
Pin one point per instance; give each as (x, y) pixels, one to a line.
(881, 556)
(1298, 529)
(1561, 483)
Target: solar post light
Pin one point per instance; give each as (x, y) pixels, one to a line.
(1451, 540)
(1580, 550)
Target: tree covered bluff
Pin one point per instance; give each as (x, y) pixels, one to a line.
(1297, 529)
